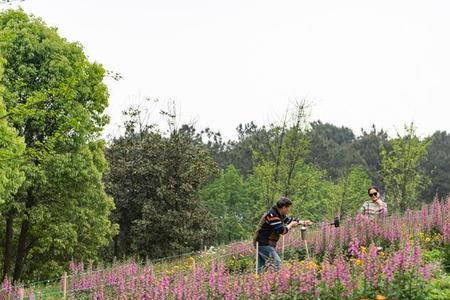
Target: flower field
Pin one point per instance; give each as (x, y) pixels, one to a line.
(392, 257)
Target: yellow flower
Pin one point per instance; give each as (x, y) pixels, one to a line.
(381, 253)
(311, 265)
(192, 261)
(427, 239)
(404, 228)
(380, 297)
(358, 262)
(363, 249)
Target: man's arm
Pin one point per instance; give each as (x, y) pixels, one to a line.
(278, 225)
(305, 222)
(287, 220)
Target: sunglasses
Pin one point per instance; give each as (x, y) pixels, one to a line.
(374, 194)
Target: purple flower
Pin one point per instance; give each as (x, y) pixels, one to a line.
(436, 213)
(327, 273)
(343, 275)
(283, 280)
(248, 285)
(415, 261)
(7, 286)
(353, 248)
(389, 269)
(370, 261)
(426, 271)
(446, 232)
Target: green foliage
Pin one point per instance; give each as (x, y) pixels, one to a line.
(77, 205)
(330, 148)
(407, 285)
(333, 292)
(437, 164)
(11, 151)
(446, 258)
(155, 181)
(240, 264)
(229, 201)
(351, 191)
(433, 256)
(55, 99)
(280, 156)
(237, 153)
(290, 159)
(314, 194)
(367, 148)
(281, 170)
(295, 254)
(401, 176)
(439, 289)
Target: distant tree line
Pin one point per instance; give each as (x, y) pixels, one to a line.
(325, 169)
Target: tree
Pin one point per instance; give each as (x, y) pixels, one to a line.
(11, 177)
(11, 151)
(437, 164)
(55, 99)
(238, 153)
(228, 199)
(331, 148)
(351, 191)
(402, 178)
(155, 180)
(281, 169)
(313, 196)
(367, 146)
(278, 155)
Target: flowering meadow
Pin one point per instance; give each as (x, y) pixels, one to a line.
(391, 257)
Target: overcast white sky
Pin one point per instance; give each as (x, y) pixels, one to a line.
(233, 61)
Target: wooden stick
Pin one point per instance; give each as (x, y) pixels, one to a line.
(256, 256)
(306, 247)
(303, 234)
(282, 249)
(65, 286)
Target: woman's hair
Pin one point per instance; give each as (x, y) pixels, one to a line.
(373, 187)
(283, 202)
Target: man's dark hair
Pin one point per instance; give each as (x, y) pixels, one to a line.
(283, 202)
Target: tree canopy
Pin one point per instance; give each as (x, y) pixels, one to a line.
(55, 100)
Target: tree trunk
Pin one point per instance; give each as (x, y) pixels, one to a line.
(21, 250)
(22, 244)
(7, 259)
(116, 246)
